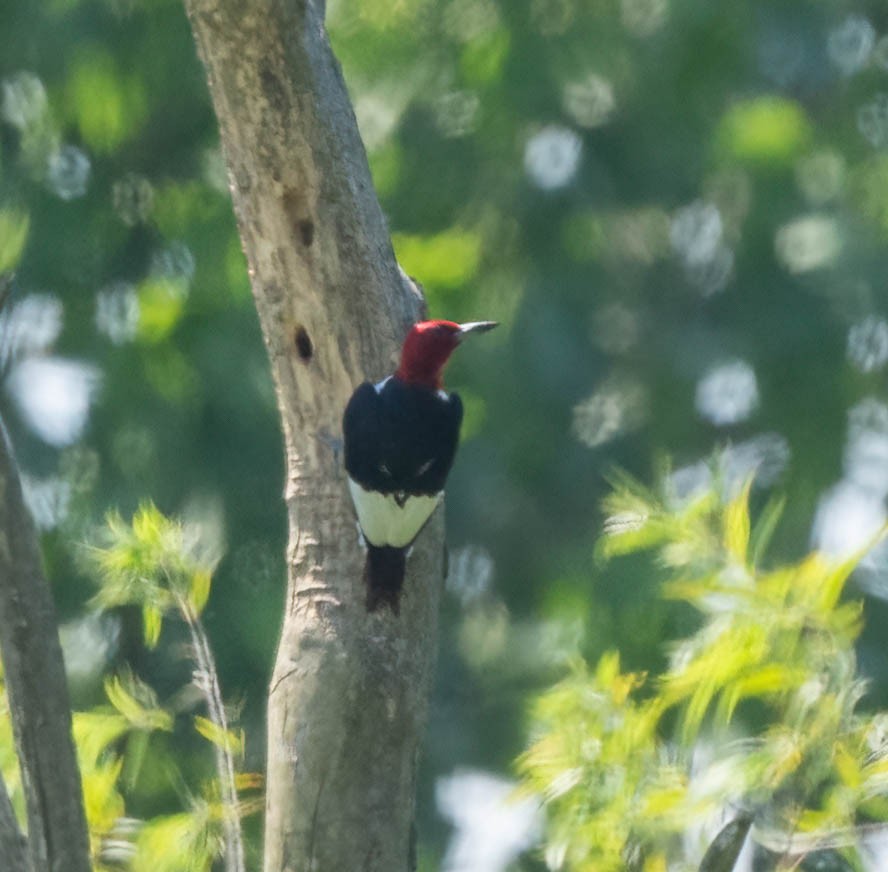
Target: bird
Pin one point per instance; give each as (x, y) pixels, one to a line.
(400, 437)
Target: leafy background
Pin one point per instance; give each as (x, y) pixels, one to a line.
(677, 209)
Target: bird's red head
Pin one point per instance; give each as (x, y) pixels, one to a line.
(428, 347)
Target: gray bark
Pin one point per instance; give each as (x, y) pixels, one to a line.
(13, 847)
(37, 689)
(349, 693)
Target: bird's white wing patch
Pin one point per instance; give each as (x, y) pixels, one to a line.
(384, 521)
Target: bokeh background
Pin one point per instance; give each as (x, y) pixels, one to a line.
(677, 209)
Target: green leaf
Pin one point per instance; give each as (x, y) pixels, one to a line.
(108, 106)
(766, 130)
(736, 525)
(94, 733)
(152, 622)
(764, 528)
(161, 306)
(137, 702)
(14, 225)
(186, 842)
(201, 581)
(221, 738)
(447, 260)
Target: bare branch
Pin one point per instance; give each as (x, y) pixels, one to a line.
(225, 768)
(38, 692)
(349, 692)
(13, 847)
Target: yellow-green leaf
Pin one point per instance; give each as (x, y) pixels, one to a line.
(161, 306)
(736, 525)
(446, 260)
(226, 739)
(152, 621)
(137, 703)
(767, 129)
(13, 235)
(201, 580)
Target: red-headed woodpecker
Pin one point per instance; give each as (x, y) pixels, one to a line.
(400, 440)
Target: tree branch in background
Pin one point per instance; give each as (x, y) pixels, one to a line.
(13, 847)
(349, 693)
(37, 688)
(207, 681)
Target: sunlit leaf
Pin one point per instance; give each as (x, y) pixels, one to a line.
(482, 60)
(245, 781)
(446, 260)
(95, 732)
(161, 306)
(764, 528)
(152, 623)
(137, 703)
(736, 525)
(13, 235)
(201, 581)
(108, 105)
(225, 739)
(186, 842)
(103, 802)
(767, 129)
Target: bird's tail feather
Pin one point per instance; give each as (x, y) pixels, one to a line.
(384, 576)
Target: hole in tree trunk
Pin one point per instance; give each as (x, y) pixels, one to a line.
(304, 348)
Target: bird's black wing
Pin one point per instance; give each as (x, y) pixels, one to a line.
(449, 420)
(419, 430)
(362, 434)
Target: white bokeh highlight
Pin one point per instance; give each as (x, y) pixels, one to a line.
(808, 243)
(727, 393)
(872, 121)
(868, 344)
(850, 44)
(552, 157)
(48, 500)
(491, 826)
(589, 100)
(30, 326)
(53, 396)
(470, 573)
(68, 172)
(117, 312)
(851, 513)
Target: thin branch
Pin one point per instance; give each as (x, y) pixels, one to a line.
(37, 688)
(209, 687)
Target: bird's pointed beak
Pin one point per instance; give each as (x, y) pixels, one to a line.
(475, 327)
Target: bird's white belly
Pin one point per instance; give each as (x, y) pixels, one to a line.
(385, 522)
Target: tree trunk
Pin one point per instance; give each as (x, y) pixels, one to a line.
(349, 693)
(38, 698)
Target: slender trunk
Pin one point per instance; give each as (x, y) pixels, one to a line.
(349, 694)
(38, 691)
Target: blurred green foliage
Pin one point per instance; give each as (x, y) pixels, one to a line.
(645, 193)
(756, 715)
(163, 568)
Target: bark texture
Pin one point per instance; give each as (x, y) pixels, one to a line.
(13, 847)
(38, 694)
(349, 693)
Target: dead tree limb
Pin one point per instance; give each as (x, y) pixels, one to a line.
(38, 691)
(349, 694)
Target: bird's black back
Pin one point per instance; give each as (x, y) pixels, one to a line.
(401, 438)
